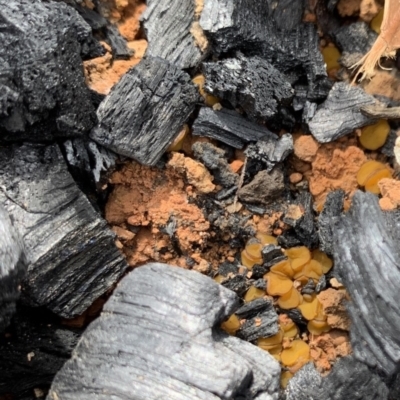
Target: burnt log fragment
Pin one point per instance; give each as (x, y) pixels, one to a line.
(238, 284)
(43, 92)
(366, 255)
(288, 14)
(349, 379)
(214, 159)
(333, 207)
(229, 80)
(340, 113)
(254, 308)
(35, 348)
(145, 111)
(173, 32)
(229, 127)
(234, 25)
(163, 347)
(71, 253)
(13, 266)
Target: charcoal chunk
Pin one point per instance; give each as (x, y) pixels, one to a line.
(263, 325)
(170, 27)
(270, 152)
(305, 384)
(355, 40)
(340, 114)
(214, 159)
(145, 111)
(157, 340)
(229, 127)
(44, 95)
(254, 308)
(71, 253)
(13, 266)
(333, 207)
(36, 348)
(288, 14)
(272, 254)
(118, 43)
(229, 80)
(264, 188)
(234, 24)
(366, 258)
(238, 284)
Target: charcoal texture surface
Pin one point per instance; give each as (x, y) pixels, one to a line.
(12, 268)
(349, 379)
(149, 344)
(145, 110)
(168, 25)
(215, 160)
(229, 80)
(118, 43)
(366, 258)
(36, 348)
(71, 253)
(230, 127)
(233, 24)
(42, 90)
(340, 114)
(333, 207)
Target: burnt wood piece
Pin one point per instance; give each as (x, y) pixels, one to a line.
(13, 266)
(254, 308)
(214, 159)
(270, 152)
(254, 28)
(229, 79)
(366, 255)
(43, 94)
(263, 325)
(333, 207)
(349, 379)
(157, 338)
(88, 162)
(238, 284)
(288, 14)
(354, 40)
(145, 111)
(340, 114)
(71, 252)
(36, 347)
(234, 25)
(304, 227)
(168, 25)
(93, 18)
(118, 43)
(230, 127)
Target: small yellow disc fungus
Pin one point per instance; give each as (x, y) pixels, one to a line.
(367, 170)
(277, 285)
(309, 309)
(317, 327)
(270, 342)
(290, 300)
(376, 22)
(297, 353)
(231, 325)
(253, 293)
(285, 378)
(323, 259)
(331, 57)
(298, 256)
(209, 99)
(249, 261)
(177, 144)
(289, 328)
(292, 332)
(283, 268)
(313, 269)
(266, 239)
(219, 278)
(372, 183)
(374, 136)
